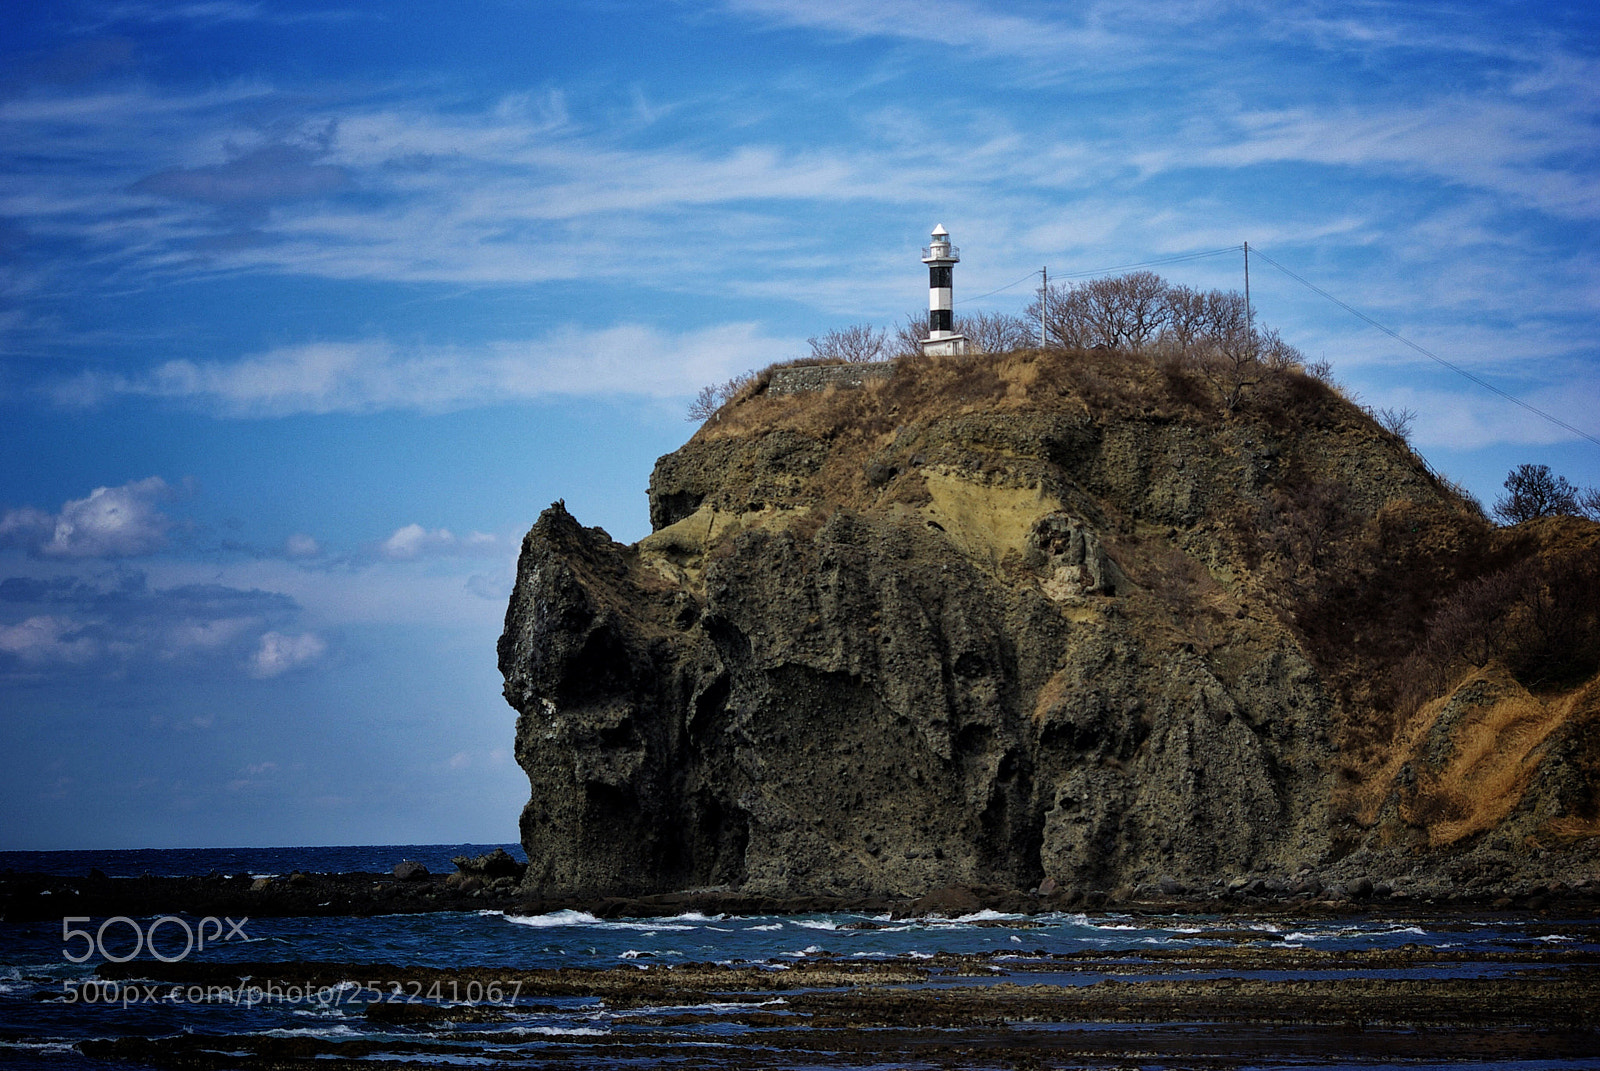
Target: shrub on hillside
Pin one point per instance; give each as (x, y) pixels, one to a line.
(714, 397)
(1539, 617)
(856, 343)
(1533, 491)
(986, 332)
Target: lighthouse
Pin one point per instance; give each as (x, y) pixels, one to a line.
(941, 258)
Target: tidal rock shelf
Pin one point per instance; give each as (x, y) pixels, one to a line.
(1240, 1003)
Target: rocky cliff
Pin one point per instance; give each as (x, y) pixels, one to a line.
(1057, 616)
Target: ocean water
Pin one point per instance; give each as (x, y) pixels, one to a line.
(171, 862)
(48, 1004)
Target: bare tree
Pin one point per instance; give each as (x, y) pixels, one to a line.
(995, 332)
(988, 332)
(909, 335)
(1188, 321)
(1278, 355)
(1396, 422)
(1589, 503)
(1067, 320)
(1128, 311)
(856, 343)
(1534, 491)
(1321, 370)
(1133, 311)
(705, 405)
(712, 398)
(1228, 325)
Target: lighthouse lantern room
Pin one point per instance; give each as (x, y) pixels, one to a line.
(941, 258)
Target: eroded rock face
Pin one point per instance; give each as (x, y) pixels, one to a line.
(895, 641)
(957, 685)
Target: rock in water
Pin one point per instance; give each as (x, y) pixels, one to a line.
(491, 865)
(897, 639)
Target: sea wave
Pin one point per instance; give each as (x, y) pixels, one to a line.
(337, 1030)
(988, 915)
(568, 917)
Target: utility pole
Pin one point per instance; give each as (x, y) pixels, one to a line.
(1044, 296)
(1249, 314)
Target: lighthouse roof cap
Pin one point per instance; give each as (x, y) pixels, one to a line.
(939, 231)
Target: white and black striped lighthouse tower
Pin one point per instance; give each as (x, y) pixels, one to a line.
(941, 258)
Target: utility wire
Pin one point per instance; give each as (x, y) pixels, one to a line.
(1008, 286)
(1121, 267)
(1357, 313)
(1457, 369)
(1149, 263)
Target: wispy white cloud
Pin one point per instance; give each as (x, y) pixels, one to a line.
(1470, 418)
(300, 545)
(47, 638)
(373, 376)
(213, 12)
(419, 184)
(79, 615)
(1493, 145)
(965, 29)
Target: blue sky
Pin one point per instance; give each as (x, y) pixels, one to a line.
(307, 309)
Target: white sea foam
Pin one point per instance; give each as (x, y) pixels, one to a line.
(568, 917)
(59, 1048)
(988, 915)
(809, 950)
(708, 1006)
(559, 1031)
(817, 924)
(338, 1030)
(769, 926)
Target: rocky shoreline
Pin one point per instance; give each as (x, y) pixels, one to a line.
(1246, 987)
(39, 897)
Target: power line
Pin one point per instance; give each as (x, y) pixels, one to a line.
(1148, 263)
(1457, 369)
(1202, 254)
(1120, 267)
(1008, 286)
